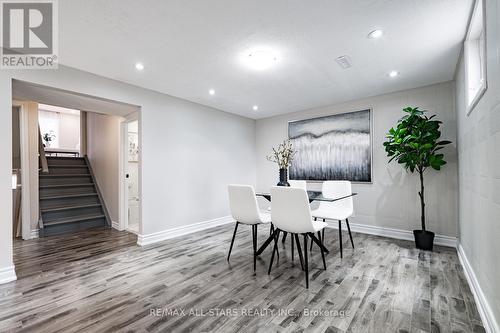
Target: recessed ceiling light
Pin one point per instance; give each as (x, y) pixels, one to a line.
(139, 66)
(255, 107)
(211, 92)
(393, 73)
(376, 34)
(259, 58)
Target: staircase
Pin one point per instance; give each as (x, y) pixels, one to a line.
(69, 197)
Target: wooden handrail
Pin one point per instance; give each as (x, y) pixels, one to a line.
(41, 152)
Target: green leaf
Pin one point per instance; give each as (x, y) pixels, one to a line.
(413, 142)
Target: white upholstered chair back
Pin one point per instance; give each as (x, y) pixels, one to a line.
(337, 189)
(298, 184)
(290, 209)
(243, 204)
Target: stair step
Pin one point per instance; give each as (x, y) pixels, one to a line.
(81, 195)
(68, 166)
(65, 175)
(66, 185)
(66, 160)
(73, 219)
(65, 157)
(69, 207)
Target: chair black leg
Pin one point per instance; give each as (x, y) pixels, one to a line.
(350, 235)
(276, 236)
(322, 252)
(340, 237)
(254, 237)
(323, 236)
(293, 241)
(271, 229)
(284, 237)
(306, 261)
(232, 241)
(310, 248)
(299, 250)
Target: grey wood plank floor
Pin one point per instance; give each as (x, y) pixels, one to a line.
(99, 281)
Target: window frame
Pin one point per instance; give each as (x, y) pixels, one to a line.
(484, 86)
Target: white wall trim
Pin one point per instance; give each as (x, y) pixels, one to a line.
(143, 240)
(116, 225)
(34, 233)
(7, 274)
(394, 233)
(485, 311)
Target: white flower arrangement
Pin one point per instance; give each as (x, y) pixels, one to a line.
(283, 155)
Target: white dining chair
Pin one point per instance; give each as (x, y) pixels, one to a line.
(245, 210)
(339, 210)
(291, 213)
(298, 184)
(295, 184)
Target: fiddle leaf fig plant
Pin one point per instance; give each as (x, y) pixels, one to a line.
(415, 144)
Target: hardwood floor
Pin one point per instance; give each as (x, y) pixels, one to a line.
(100, 281)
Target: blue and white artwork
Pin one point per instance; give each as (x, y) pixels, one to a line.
(336, 147)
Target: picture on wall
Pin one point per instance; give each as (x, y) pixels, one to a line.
(133, 147)
(336, 147)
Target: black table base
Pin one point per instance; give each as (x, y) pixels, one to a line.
(271, 238)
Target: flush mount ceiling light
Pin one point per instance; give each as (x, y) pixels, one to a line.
(393, 73)
(139, 66)
(375, 34)
(211, 92)
(255, 107)
(259, 58)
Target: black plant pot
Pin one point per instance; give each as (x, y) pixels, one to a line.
(283, 178)
(424, 240)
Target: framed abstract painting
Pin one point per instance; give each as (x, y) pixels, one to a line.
(336, 147)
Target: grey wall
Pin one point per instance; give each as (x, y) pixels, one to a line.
(479, 171)
(103, 151)
(391, 200)
(190, 152)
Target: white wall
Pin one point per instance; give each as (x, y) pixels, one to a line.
(479, 171)
(69, 131)
(66, 128)
(6, 176)
(189, 152)
(392, 200)
(103, 151)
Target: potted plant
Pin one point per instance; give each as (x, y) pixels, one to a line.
(414, 143)
(283, 156)
(48, 137)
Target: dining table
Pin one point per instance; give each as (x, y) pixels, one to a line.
(313, 196)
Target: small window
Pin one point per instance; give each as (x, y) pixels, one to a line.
(475, 57)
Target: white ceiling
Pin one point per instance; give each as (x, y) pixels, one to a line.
(190, 46)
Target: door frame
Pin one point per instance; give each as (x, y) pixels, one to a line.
(123, 196)
(27, 181)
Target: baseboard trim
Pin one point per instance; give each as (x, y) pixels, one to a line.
(115, 225)
(489, 322)
(7, 274)
(34, 234)
(395, 233)
(148, 239)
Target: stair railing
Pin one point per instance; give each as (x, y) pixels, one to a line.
(41, 153)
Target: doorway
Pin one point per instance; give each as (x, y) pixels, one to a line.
(131, 201)
(107, 144)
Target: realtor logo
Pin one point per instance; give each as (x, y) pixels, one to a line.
(29, 39)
